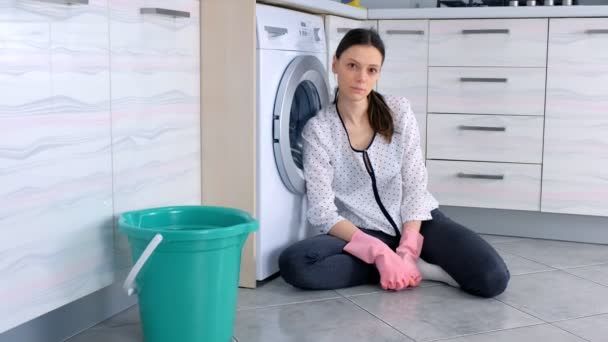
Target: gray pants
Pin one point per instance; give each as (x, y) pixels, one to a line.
(319, 263)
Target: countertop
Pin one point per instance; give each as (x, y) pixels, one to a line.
(336, 8)
(489, 12)
(321, 7)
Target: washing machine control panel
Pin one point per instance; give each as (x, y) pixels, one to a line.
(283, 29)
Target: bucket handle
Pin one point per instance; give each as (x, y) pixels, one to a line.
(129, 284)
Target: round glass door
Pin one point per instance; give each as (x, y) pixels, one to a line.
(303, 91)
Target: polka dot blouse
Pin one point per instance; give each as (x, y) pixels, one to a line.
(339, 186)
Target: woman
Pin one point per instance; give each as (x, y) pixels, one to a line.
(367, 191)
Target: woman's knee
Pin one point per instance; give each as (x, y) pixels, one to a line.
(489, 283)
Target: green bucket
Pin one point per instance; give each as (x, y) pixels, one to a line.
(186, 272)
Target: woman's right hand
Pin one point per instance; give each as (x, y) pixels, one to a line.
(395, 273)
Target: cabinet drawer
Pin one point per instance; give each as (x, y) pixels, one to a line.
(488, 42)
(485, 185)
(404, 71)
(514, 91)
(578, 41)
(498, 138)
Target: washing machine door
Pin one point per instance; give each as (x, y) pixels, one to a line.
(303, 91)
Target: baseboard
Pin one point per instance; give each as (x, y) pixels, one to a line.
(69, 320)
(577, 228)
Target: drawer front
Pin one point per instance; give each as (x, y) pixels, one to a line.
(335, 29)
(499, 138)
(578, 42)
(488, 42)
(485, 185)
(576, 144)
(513, 91)
(405, 67)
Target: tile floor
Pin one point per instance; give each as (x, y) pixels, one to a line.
(558, 292)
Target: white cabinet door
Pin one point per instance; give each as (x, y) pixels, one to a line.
(335, 29)
(500, 138)
(485, 185)
(155, 107)
(514, 91)
(55, 156)
(575, 176)
(404, 72)
(488, 42)
(575, 170)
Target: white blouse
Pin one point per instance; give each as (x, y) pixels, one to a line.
(339, 185)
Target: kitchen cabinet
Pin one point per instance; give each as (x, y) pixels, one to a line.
(55, 156)
(404, 72)
(155, 107)
(486, 112)
(100, 114)
(575, 162)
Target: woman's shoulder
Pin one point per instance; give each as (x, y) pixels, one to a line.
(398, 104)
(401, 108)
(320, 122)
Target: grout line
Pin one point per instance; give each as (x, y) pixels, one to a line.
(285, 304)
(552, 268)
(486, 332)
(521, 310)
(570, 332)
(581, 317)
(581, 266)
(380, 319)
(577, 276)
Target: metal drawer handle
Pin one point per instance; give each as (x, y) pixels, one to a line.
(484, 79)
(67, 2)
(276, 31)
(486, 31)
(413, 32)
(164, 11)
(597, 31)
(479, 176)
(343, 29)
(482, 128)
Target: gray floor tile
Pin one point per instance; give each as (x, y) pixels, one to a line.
(320, 321)
(123, 327)
(558, 254)
(438, 312)
(367, 289)
(492, 239)
(276, 292)
(593, 329)
(555, 295)
(130, 333)
(518, 265)
(543, 332)
(598, 273)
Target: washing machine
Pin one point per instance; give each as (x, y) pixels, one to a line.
(291, 88)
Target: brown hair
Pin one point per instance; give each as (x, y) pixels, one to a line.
(379, 113)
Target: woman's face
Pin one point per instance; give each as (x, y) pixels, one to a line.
(357, 70)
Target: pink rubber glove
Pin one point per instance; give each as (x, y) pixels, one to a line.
(392, 268)
(411, 243)
(409, 250)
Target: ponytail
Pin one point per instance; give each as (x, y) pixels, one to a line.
(380, 115)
